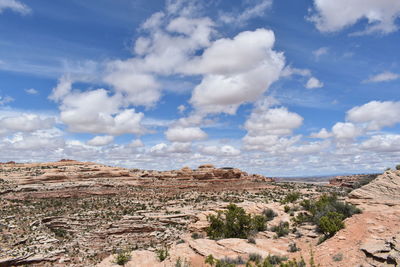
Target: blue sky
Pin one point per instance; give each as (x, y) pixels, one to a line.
(282, 88)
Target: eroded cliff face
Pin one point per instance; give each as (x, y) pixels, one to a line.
(352, 181)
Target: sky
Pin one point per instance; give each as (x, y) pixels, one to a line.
(280, 88)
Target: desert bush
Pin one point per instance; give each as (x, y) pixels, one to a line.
(293, 247)
(398, 167)
(122, 258)
(269, 214)
(327, 213)
(330, 223)
(251, 240)
(291, 197)
(255, 257)
(286, 208)
(162, 254)
(258, 223)
(337, 257)
(281, 229)
(234, 223)
(180, 263)
(196, 235)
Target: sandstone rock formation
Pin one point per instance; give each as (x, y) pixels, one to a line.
(352, 181)
(385, 189)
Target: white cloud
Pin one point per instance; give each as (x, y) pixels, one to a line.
(248, 13)
(381, 15)
(181, 108)
(382, 143)
(63, 88)
(313, 83)
(267, 126)
(25, 123)
(346, 131)
(98, 113)
(320, 51)
(222, 151)
(274, 121)
(322, 134)
(376, 114)
(15, 6)
(101, 140)
(185, 134)
(5, 99)
(236, 71)
(383, 77)
(31, 91)
(289, 71)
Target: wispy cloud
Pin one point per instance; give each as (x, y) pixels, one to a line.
(15, 6)
(382, 77)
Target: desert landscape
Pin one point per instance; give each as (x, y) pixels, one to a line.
(71, 213)
(192, 133)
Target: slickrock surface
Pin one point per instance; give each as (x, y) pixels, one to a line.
(372, 237)
(385, 189)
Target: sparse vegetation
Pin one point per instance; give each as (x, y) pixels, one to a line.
(291, 197)
(234, 223)
(162, 254)
(281, 229)
(327, 213)
(122, 258)
(269, 214)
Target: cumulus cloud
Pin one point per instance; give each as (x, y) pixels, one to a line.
(98, 113)
(25, 123)
(345, 131)
(382, 143)
(313, 83)
(15, 6)
(236, 71)
(376, 114)
(322, 134)
(101, 140)
(223, 151)
(64, 86)
(164, 150)
(266, 128)
(380, 15)
(386, 76)
(185, 134)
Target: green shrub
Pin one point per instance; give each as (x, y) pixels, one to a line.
(398, 167)
(196, 235)
(258, 223)
(330, 223)
(122, 258)
(327, 213)
(293, 247)
(281, 229)
(337, 257)
(291, 197)
(162, 254)
(180, 263)
(234, 223)
(269, 214)
(255, 257)
(286, 208)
